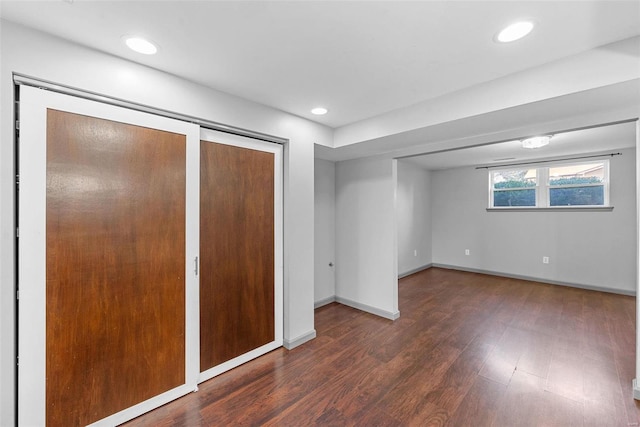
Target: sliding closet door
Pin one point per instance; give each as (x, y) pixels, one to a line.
(240, 250)
(104, 262)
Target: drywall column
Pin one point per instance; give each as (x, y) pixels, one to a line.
(325, 232)
(413, 210)
(298, 244)
(366, 264)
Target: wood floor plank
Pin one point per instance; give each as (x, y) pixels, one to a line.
(603, 393)
(535, 357)
(469, 349)
(273, 393)
(501, 363)
(405, 400)
(422, 335)
(626, 372)
(566, 372)
(480, 404)
(454, 385)
(596, 415)
(526, 403)
(333, 316)
(326, 405)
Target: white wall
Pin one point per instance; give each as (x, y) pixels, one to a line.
(366, 261)
(413, 210)
(41, 56)
(590, 249)
(325, 231)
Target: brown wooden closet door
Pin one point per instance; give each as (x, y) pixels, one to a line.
(115, 294)
(236, 251)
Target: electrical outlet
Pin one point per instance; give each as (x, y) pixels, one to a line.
(545, 260)
(467, 252)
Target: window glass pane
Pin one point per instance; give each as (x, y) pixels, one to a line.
(577, 196)
(514, 198)
(585, 173)
(520, 178)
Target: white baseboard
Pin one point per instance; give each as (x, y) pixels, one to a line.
(536, 279)
(415, 270)
(291, 344)
(636, 390)
(369, 309)
(324, 301)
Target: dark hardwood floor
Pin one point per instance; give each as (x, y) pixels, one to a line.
(468, 350)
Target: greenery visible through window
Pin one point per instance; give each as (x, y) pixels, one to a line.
(558, 185)
(514, 187)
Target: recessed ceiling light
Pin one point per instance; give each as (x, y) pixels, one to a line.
(515, 31)
(140, 45)
(319, 111)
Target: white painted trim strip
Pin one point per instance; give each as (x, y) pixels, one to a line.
(536, 279)
(237, 361)
(369, 309)
(291, 344)
(144, 407)
(276, 149)
(21, 79)
(636, 390)
(554, 209)
(32, 207)
(415, 270)
(324, 301)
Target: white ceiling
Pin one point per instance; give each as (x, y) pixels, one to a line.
(603, 139)
(358, 58)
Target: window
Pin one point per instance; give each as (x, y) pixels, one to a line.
(577, 185)
(565, 184)
(516, 187)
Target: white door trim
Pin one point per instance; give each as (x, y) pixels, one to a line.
(32, 254)
(276, 149)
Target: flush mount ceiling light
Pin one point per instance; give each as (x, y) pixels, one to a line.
(140, 45)
(514, 32)
(536, 141)
(319, 111)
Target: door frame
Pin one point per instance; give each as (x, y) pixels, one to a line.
(218, 137)
(32, 251)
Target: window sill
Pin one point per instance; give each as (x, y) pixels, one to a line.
(555, 209)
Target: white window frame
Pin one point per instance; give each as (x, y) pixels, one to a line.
(604, 183)
(543, 186)
(492, 190)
